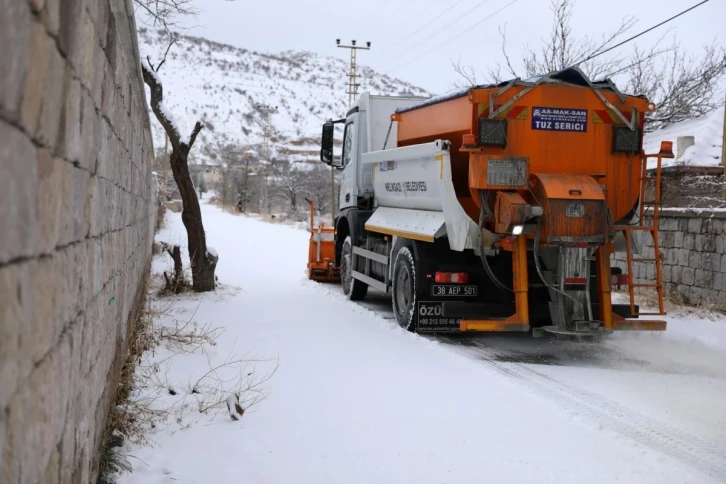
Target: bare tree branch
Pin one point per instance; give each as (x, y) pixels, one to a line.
(467, 72)
(174, 39)
(195, 132)
(681, 85)
(157, 103)
(166, 13)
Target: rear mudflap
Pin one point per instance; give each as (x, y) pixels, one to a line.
(431, 318)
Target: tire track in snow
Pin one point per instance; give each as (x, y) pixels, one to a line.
(701, 455)
(705, 457)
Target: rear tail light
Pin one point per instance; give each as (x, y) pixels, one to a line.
(619, 280)
(576, 281)
(626, 140)
(492, 132)
(451, 277)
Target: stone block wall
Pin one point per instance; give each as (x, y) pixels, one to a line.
(77, 217)
(693, 244)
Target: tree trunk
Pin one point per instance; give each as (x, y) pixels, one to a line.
(203, 264)
(176, 284)
(178, 267)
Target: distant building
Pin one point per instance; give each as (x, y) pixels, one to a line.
(694, 177)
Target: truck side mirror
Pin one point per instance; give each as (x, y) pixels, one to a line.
(326, 143)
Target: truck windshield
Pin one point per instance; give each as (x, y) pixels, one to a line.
(348, 143)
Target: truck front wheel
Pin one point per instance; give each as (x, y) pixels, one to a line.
(404, 289)
(354, 289)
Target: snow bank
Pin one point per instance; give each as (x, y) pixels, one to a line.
(690, 325)
(708, 133)
(356, 399)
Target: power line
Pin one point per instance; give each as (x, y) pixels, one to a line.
(648, 57)
(374, 11)
(436, 17)
(433, 35)
(421, 10)
(596, 54)
(451, 38)
(401, 9)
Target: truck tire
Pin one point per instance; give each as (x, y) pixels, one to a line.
(354, 289)
(404, 289)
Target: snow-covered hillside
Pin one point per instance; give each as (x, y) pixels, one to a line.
(229, 89)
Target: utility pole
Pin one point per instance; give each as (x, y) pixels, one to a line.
(246, 156)
(225, 173)
(267, 134)
(352, 94)
(267, 126)
(353, 70)
(723, 149)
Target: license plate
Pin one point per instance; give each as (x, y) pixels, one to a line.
(454, 290)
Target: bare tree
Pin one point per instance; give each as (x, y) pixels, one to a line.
(232, 174)
(319, 188)
(227, 185)
(561, 49)
(201, 185)
(467, 74)
(165, 13)
(290, 182)
(682, 86)
(203, 261)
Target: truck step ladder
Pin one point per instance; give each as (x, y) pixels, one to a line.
(651, 228)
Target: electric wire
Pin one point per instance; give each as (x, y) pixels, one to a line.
(599, 52)
(409, 36)
(462, 32)
(374, 12)
(375, 15)
(436, 17)
(403, 8)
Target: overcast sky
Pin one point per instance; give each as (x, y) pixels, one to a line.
(416, 40)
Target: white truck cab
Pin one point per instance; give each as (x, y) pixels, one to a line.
(367, 127)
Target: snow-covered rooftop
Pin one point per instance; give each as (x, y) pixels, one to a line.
(708, 134)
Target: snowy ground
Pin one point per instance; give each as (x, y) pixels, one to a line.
(355, 399)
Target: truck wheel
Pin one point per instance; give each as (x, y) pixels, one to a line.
(404, 289)
(354, 289)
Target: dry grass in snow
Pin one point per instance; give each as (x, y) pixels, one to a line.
(175, 375)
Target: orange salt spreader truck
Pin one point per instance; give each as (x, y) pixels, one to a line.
(497, 208)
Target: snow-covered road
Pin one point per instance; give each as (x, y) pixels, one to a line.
(356, 399)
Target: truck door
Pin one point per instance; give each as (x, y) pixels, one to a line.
(348, 190)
